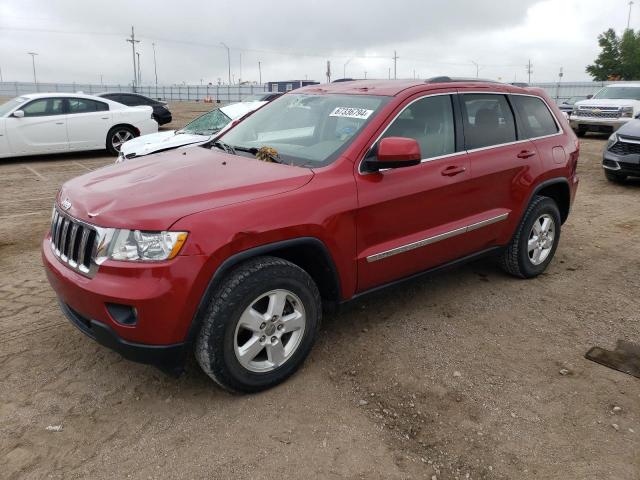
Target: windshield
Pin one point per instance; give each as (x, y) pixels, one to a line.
(309, 130)
(207, 124)
(627, 93)
(11, 104)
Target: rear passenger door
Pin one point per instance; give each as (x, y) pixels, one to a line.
(88, 122)
(500, 165)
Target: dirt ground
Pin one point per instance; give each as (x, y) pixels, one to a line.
(455, 376)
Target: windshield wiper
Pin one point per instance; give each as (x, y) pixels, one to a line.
(225, 146)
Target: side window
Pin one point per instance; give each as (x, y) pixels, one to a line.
(44, 107)
(535, 116)
(429, 121)
(85, 105)
(488, 120)
(129, 100)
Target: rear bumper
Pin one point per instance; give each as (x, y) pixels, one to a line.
(163, 118)
(169, 358)
(147, 126)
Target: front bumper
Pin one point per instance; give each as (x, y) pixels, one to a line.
(169, 358)
(165, 296)
(591, 124)
(621, 164)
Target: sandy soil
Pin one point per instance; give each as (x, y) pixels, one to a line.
(377, 399)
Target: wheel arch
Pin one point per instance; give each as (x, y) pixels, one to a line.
(124, 124)
(558, 190)
(309, 253)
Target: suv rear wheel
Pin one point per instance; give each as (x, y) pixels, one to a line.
(260, 325)
(534, 244)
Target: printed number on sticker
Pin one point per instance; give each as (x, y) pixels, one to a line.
(349, 112)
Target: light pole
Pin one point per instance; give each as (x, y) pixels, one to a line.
(155, 67)
(139, 72)
(260, 72)
(629, 17)
(33, 63)
(228, 59)
(344, 68)
(477, 68)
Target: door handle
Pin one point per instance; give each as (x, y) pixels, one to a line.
(526, 154)
(452, 170)
(59, 123)
(105, 118)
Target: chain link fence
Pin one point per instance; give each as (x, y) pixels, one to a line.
(170, 93)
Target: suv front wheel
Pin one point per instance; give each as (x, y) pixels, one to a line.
(534, 244)
(260, 325)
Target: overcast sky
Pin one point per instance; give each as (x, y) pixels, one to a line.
(82, 40)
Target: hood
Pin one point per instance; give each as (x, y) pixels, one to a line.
(156, 142)
(607, 102)
(152, 193)
(630, 129)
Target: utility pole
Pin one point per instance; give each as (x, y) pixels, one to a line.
(529, 70)
(477, 68)
(133, 42)
(0, 74)
(228, 59)
(560, 75)
(139, 73)
(365, 74)
(344, 68)
(240, 76)
(155, 67)
(395, 64)
(259, 72)
(33, 63)
(629, 17)
(328, 71)
(389, 73)
(101, 82)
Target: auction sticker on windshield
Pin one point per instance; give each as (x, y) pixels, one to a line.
(350, 112)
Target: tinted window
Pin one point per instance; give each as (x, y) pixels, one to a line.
(488, 120)
(84, 105)
(536, 119)
(43, 107)
(429, 121)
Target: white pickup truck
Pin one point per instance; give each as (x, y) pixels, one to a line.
(607, 110)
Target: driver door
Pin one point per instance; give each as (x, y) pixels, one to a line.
(43, 129)
(411, 219)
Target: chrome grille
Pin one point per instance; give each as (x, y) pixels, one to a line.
(73, 242)
(595, 112)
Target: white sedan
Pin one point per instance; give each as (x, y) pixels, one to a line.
(197, 132)
(68, 122)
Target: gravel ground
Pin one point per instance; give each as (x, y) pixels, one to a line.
(454, 376)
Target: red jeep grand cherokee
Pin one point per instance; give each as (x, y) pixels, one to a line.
(330, 192)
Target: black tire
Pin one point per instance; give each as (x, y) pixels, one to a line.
(122, 131)
(581, 132)
(614, 177)
(515, 259)
(215, 345)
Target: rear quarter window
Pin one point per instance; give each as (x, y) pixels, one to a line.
(535, 118)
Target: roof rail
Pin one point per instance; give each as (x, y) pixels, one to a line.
(447, 79)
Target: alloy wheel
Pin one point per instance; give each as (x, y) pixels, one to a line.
(269, 331)
(541, 238)
(119, 137)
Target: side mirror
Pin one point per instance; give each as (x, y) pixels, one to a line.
(395, 152)
(18, 114)
(589, 97)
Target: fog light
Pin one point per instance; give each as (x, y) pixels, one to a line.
(122, 314)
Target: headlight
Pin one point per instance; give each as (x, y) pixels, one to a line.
(627, 112)
(137, 245)
(612, 140)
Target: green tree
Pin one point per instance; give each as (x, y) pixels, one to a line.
(630, 55)
(608, 62)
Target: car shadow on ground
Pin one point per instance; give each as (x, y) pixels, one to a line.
(57, 157)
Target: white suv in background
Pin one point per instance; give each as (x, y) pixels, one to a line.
(607, 110)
